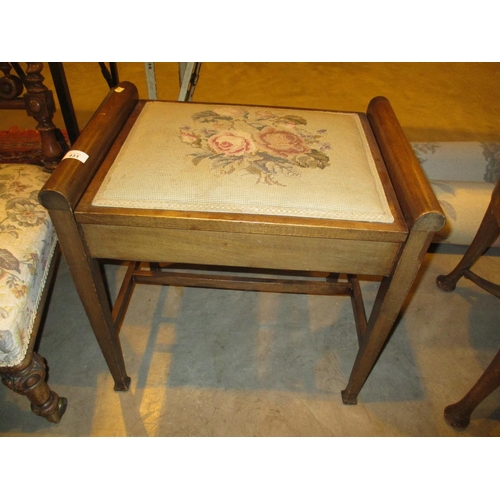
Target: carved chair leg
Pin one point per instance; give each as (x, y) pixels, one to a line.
(30, 381)
(458, 414)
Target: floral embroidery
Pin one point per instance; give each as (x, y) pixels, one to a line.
(231, 144)
(25, 213)
(10, 271)
(7, 345)
(27, 241)
(19, 211)
(255, 142)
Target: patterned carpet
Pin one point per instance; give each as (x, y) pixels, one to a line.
(20, 146)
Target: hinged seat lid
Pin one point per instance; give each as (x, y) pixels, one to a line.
(249, 160)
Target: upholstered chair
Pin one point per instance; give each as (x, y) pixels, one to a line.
(28, 247)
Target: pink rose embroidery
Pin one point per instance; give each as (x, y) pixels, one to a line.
(282, 142)
(264, 143)
(230, 111)
(189, 138)
(263, 114)
(231, 144)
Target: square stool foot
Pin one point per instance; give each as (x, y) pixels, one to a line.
(122, 386)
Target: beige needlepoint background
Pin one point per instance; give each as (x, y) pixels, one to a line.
(244, 159)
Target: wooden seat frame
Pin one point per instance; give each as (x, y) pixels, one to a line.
(391, 251)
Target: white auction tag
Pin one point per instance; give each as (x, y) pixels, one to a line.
(76, 155)
(119, 89)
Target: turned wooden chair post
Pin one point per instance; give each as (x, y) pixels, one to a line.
(40, 105)
(458, 415)
(29, 379)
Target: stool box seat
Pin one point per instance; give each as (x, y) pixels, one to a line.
(180, 208)
(253, 160)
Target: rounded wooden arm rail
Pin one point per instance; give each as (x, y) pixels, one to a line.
(420, 207)
(70, 180)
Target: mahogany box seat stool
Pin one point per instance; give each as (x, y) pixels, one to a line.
(333, 193)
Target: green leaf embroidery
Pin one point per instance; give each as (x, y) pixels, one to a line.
(8, 261)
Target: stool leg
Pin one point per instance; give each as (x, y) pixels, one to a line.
(458, 414)
(486, 235)
(89, 283)
(390, 299)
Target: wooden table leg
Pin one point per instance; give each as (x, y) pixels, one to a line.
(458, 414)
(486, 235)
